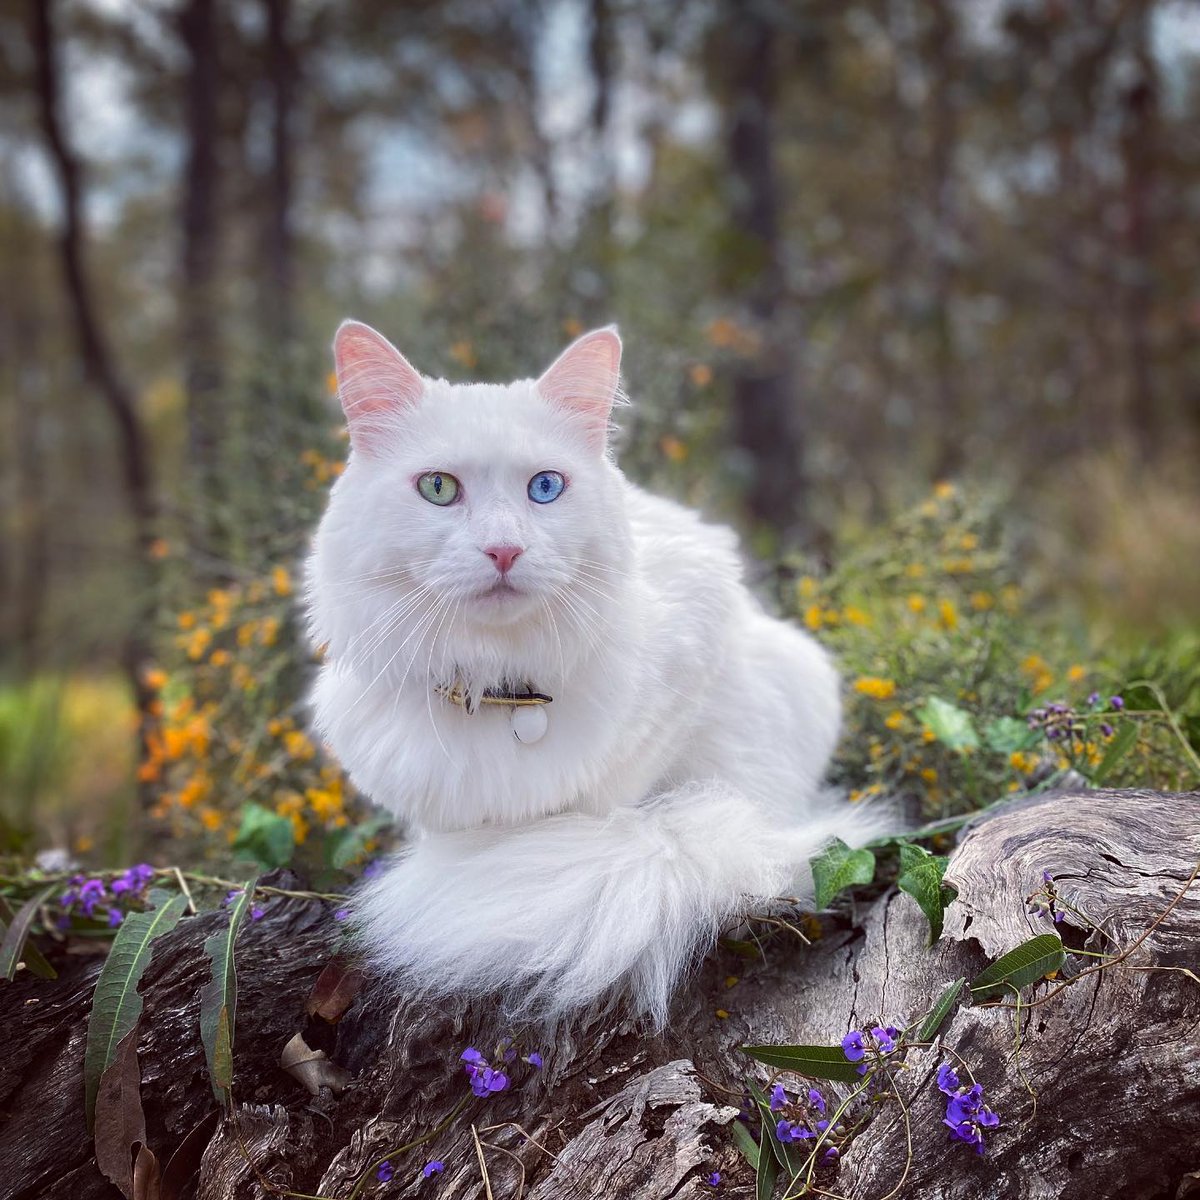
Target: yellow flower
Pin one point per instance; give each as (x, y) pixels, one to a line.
(281, 581)
(1010, 597)
(894, 719)
(270, 630)
(701, 374)
(246, 632)
(948, 614)
(968, 541)
(198, 643)
(463, 352)
(331, 383)
(159, 548)
(243, 677)
(220, 658)
(210, 818)
(572, 327)
(1023, 761)
(1076, 673)
(927, 735)
(187, 620)
(982, 601)
(929, 775)
(855, 615)
(944, 490)
(812, 616)
(916, 603)
(298, 746)
(675, 450)
(155, 678)
(876, 688)
(195, 790)
(806, 587)
(275, 726)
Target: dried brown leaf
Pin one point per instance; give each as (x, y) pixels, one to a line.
(334, 991)
(311, 1067)
(120, 1122)
(182, 1166)
(146, 1178)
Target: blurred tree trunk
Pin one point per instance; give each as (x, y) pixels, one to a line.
(96, 353)
(765, 387)
(200, 331)
(283, 76)
(1139, 147)
(944, 234)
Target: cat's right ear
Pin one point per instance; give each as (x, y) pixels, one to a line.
(375, 383)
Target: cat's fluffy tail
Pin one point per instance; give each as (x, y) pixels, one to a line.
(553, 914)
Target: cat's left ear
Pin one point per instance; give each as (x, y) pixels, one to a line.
(584, 380)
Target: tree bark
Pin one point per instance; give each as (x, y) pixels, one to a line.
(283, 79)
(617, 1112)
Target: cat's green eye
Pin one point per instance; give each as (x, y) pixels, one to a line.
(437, 487)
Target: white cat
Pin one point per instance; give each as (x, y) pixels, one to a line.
(482, 539)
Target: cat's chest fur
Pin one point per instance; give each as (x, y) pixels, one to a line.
(619, 717)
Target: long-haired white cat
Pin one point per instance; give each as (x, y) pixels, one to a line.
(601, 747)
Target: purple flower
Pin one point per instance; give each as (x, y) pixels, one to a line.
(1116, 702)
(1106, 729)
(852, 1046)
(256, 912)
(385, 1173)
(1094, 699)
(816, 1100)
(947, 1079)
(778, 1097)
(966, 1114)
(885, 1037)
(831, 1155)
(714, 1179)
(230, 897)
(135, 879)
(341, 914)
(484, 1080)
(1047, 877)
(786, 1132)
(90, 894)
(535, 1060)
(373, 868)
(436, 1167)
(471, 1055)
(115, 917)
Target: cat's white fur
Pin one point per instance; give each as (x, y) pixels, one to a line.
(680, 776)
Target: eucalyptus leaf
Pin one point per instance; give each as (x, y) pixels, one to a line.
(940, 1011)
(838, 867)
(16, 946)
(1026, 964)
(767, 1169)
(823, 1062)
(950, 725)
(921, 878)
(116, 1004)
(218, 997)
(746, 1144)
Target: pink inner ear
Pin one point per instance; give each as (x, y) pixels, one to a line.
(375, 381)
(584, 379)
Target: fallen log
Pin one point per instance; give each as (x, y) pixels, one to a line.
(1097, 1085)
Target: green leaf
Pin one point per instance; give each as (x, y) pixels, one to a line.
(766, 1172)
(16, 945)
(921, 877)
(1123, 741)
(951, 726)
(939, 1012)
(218, 997)
(746, 1144)
(1029, 962)
(822, 1062)
(116, 1004)
(349, 844)
(265, 836)
(838, 867)
(1006, 735)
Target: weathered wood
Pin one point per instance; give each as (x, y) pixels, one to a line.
(1114, 1060)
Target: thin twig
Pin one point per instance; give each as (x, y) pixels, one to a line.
(487, 1183)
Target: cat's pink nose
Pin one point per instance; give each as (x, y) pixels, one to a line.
(503, 556)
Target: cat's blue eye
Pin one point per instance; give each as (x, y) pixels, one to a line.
(546, 486)
(437, 487)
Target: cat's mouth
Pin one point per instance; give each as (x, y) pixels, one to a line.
(500, 590)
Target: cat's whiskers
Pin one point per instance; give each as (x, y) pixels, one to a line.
(387, 623)
(429, 691)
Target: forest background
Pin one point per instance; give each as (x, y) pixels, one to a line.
(910, 292)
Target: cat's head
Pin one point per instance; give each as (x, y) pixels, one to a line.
(477, 510)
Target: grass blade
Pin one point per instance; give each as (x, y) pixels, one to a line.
(218, 997)
(16, 944)
(116, 1004)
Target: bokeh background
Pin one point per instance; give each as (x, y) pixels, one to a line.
(910, 291)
